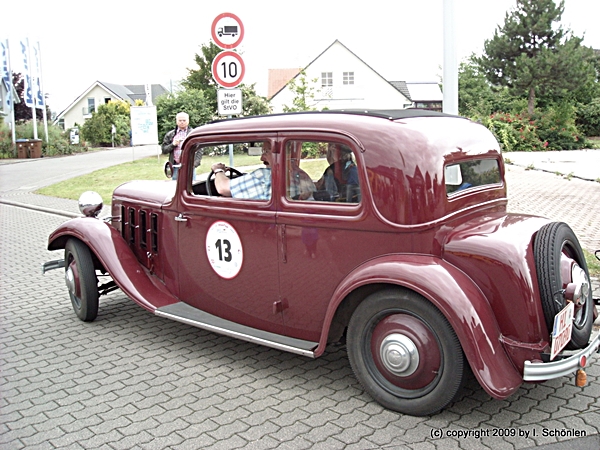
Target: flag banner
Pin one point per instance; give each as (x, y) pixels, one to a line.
(37, 77)
(6, 76)
(28, 91)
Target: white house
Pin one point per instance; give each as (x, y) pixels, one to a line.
(344, 81)
(100, 93)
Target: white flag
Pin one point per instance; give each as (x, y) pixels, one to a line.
(28, 92)
(37, 77)
(6, 75)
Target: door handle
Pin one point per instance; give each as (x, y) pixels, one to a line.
(180, 218)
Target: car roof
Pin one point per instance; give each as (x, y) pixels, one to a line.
(390, 114)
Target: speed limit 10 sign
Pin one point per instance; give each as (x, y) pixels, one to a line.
(228, 69)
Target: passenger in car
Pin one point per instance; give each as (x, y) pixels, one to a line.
(340, 180)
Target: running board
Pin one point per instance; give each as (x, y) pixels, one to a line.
(182, 312)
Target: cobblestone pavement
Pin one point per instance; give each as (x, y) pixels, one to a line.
(134, 380)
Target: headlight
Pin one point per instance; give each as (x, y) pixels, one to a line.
(90, 204)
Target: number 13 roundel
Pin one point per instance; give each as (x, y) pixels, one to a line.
(224, 249)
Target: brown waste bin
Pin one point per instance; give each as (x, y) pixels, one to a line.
(35, 148)
(23, 148)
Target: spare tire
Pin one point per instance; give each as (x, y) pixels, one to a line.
(562, 270)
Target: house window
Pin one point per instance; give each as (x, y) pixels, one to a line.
(326, 79)
(107, 100)
(348, 77)
(91, 105)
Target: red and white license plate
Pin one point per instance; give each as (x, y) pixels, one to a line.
(563, 327)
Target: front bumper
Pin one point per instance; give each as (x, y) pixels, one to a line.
(571, 361)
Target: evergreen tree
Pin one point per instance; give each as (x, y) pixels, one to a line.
(532, 56)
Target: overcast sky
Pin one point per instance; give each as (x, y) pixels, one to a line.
(138, 42)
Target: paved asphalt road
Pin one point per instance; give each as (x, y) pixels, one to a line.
(134, 380)
(26, 175)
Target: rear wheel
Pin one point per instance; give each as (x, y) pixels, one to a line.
(563, 275)
(80, 277)
(405, 353)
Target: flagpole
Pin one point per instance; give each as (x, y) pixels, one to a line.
(33, 93)
(41, 90)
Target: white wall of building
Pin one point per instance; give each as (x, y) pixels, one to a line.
(367, 90)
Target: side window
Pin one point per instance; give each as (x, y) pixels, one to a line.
(321, 172)
(255, 184)
(470, 174)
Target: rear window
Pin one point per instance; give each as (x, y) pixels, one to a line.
(471, 174)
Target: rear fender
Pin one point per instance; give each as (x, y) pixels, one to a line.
(457, 297)
(116, 257)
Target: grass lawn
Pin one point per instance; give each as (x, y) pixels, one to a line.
(104, 181)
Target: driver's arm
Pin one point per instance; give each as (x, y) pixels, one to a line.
(221, 181)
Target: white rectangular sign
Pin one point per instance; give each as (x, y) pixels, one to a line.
(563, 327)
(229, 102)
(144, 126)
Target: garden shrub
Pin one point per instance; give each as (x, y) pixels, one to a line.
(556, 125)
(551, 129)
(588, 118)
(58, 141)
(515, 132)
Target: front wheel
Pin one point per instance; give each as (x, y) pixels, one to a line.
(80, 277)
(404, 352)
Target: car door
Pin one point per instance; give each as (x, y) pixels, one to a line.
(322, 231)
(228, 260)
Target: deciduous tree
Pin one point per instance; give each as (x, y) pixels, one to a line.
(304, 93)
(98, 128)
(191, 101)
(201, 79)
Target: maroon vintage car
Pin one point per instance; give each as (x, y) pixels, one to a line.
(399, 245)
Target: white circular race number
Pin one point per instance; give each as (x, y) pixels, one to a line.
(224, 250)
(228, 69)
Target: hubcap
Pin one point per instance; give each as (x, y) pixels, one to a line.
(581, 285)
(70, 280)
(405, 352)
(399, 355)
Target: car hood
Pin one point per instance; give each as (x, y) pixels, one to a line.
(157, 192)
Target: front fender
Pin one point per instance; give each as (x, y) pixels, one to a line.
(117, 258)
(457, 297)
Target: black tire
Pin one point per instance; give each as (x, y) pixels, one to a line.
(554, 242)
(388, 324)
(81, 280)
